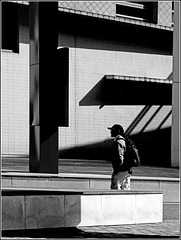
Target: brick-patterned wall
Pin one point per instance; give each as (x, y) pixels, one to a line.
(15, 101)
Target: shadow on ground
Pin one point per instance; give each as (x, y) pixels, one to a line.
(72, 232)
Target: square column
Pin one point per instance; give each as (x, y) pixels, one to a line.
(176, 88)
(43, 87)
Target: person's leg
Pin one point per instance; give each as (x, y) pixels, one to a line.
(113, 182)
(126, 183)
(120, 181)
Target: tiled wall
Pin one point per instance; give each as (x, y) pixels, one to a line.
(15, 101)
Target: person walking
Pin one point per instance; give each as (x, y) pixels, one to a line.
(121, 173)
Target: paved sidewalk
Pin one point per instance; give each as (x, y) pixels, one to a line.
(102, 167)
(167, 229)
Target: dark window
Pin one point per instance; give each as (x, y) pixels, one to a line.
(10, 29)
(143, 11)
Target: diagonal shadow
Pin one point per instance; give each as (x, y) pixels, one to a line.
(164, 120)
(137, 120)
(151, 118)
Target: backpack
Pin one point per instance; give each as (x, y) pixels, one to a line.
(131, 155)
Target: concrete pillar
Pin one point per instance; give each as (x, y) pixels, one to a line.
(43, 87)
(176, 89)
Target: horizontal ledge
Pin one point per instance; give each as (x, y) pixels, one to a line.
(81, 175)
(138, 79)
(42, 191)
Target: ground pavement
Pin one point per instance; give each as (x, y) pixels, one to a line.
(89, 167)
(167, 229)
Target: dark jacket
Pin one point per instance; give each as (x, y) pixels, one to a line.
(119, 149)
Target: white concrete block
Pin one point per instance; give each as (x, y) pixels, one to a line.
(118, 209)
(149, 208)
(90, 210)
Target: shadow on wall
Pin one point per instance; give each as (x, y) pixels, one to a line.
(154, 148)
(96, 151)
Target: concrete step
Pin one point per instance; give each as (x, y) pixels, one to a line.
(169, 186)
(32, 208)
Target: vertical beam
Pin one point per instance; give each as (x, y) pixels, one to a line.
(175, 88)
(63, 79)
(43, 87)
(10, 28)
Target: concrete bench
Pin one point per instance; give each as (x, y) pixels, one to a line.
(32, 208)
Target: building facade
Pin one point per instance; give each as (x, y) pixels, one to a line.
(120, 71)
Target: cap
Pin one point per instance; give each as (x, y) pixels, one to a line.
(117, 127)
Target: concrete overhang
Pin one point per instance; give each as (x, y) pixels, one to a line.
(129, 90)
